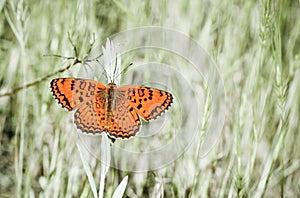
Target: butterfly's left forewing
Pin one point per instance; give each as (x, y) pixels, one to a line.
(73, 92)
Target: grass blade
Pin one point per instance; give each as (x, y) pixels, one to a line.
(119, 192)
(105, 162)
(87, 171)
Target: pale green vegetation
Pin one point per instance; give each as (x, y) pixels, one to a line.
(256, 45)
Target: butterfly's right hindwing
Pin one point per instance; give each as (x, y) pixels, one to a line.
(124, 121)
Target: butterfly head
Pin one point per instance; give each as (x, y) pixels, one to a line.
(112, 85)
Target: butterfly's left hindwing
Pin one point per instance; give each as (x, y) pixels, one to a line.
(90, 118)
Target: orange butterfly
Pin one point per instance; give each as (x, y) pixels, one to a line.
(109, 108)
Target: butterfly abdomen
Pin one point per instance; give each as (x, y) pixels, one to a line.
(110, 103)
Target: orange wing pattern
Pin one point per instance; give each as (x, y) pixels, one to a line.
(90, 117)
(148, 102)
(71, 92)
(124, 121)
(84, 95)
(107, 108)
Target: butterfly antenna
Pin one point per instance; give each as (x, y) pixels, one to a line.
(104, 71)
(115, 74)
(122, 71)
(115, 69)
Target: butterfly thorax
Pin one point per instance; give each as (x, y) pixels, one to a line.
(109, 100)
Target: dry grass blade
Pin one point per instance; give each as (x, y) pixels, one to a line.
(119, 192)
(88, 171)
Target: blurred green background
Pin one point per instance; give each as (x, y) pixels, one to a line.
(256, 45)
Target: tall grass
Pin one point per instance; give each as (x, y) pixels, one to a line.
(256, 45)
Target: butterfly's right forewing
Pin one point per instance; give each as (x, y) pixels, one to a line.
(148, 102)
